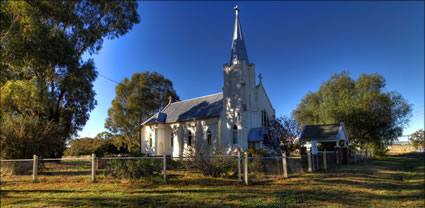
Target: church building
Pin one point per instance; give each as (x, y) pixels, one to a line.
(223, 122)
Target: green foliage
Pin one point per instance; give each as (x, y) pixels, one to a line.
(136, 100)
(42, 73)
(417, 139)
(104, 135)
(133, 169)
(87, 146)
(372, 116)
(23, 136)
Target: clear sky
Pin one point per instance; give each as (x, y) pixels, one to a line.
(294, 45)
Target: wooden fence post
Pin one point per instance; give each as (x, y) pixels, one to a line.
(285, 167)
(34, 168)
(239, 166)
(309, 162)
(246, 168)
(325, 165)
(93, 167)
(164, 163)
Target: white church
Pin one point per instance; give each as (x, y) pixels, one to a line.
(227, 121)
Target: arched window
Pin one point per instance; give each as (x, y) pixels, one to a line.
(172, 139)
(189, 138)
(150, 139)
(235, 134)
(209, 136)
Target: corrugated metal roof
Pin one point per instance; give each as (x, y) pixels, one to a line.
(157, 118)
(256, 134)
(196, 108)
(320, 132)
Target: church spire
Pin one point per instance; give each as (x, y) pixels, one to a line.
(238, 44)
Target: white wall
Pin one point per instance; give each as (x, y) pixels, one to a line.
(162, 138)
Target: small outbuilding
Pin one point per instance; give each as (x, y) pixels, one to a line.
(327, 133)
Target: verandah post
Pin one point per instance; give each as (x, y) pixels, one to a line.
(285, 167)
(310, 169)
(337, 156)
(34, 168)
(246, 168)
(93, 167)
(239, 166)
(164, 158)
(325, 165)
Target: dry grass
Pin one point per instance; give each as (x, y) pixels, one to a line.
(387, 182)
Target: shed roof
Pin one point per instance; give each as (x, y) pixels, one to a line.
(195, 108)
(327, 132)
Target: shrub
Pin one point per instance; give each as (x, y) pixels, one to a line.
(87, 146)
(213, 166)
(133, 169)
(23, 136)
(257, 165)
(216, 167)
(16, 168)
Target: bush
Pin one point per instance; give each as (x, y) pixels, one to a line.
(214, 166)
(87, 146)
(133, 169)
(257, 165)
(16, 168)
(23, 136)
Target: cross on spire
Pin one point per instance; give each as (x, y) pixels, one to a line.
(260, 77)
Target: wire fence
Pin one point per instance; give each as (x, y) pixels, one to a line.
(165, 169)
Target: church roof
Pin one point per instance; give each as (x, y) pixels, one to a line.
(195, 108)
(238, 44)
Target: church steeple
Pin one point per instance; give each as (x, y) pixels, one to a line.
(238, 44)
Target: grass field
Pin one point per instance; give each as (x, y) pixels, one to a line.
(387, 182)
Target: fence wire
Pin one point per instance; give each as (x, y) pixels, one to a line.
(215, 169)
(204, 169)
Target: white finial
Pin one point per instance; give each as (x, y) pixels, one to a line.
(236, 9)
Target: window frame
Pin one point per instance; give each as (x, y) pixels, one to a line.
(235, 134)
(209, 137)
(172, 139)
(150, 140)
(189, 138)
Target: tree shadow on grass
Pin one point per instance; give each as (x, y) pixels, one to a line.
(66, 173)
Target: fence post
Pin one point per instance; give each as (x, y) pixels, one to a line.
(34, 168)
(309, 162)
(285, 167)
(246, 168)
(164, 163)
(239, 166)
(93, 167)
(325, 165)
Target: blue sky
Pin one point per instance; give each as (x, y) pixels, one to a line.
(294, 45)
